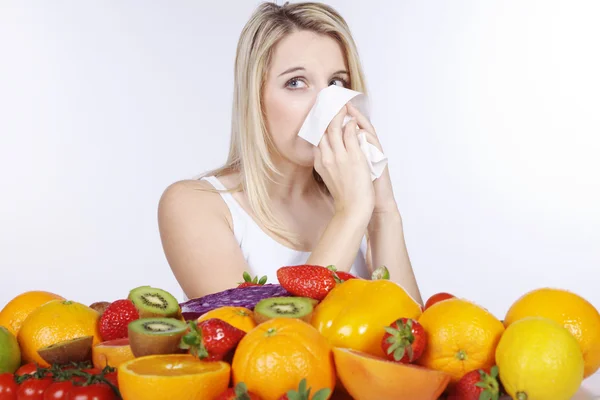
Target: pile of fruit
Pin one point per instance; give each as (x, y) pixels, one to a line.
(317, 334)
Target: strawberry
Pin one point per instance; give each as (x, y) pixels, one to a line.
(211, 339)
(404, 341)
(477, 384)
(249, 281)
(304, 394)
(436, 298)
(240, 392)
(311, 281)
(114, 320)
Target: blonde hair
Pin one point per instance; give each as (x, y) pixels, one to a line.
(250, 147)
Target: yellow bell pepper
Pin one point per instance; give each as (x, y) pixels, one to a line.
(355, 313)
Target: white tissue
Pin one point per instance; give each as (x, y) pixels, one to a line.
(329, 102)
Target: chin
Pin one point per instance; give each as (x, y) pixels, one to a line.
(305, 158)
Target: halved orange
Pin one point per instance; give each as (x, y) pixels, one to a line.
(172, 376)
(112, 353)
(367, 377)
(54, 322)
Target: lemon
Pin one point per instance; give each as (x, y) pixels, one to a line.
(10, 354)
(570, 310)
(539, 359)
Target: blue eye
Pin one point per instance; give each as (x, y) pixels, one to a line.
(344, 82)
(296, 79)
(295, 82)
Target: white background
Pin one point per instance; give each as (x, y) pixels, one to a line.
(489, 112)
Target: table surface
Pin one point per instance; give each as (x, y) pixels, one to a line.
(590, 389)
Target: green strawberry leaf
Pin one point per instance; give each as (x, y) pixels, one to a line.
(303, 392)
(399, 353)
(247, 277)
(293, 395)
(302, 387)
(241, 392)
(391, 331)
(494, 371)
(485, 395)
(193, 341)
(322, 394)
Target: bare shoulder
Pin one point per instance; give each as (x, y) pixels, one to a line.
(197, 234)
(191, 197)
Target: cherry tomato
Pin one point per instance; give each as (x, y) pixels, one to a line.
(58, 390)
(92, 371)
(33, 389)
(8, 387)
(97, 391)
(27, 369)
(112, 378)
(436, 298)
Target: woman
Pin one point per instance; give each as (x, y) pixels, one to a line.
(279, 200)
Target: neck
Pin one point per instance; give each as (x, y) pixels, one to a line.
(295, 182)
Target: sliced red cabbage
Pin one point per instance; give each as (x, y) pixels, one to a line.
(237, 297)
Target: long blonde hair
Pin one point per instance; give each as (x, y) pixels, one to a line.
(250, 147)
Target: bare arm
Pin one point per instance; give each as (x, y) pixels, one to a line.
(198, 240)
(387, 245)
(344, 232)
(344, 169)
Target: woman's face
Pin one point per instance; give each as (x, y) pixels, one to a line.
(303, 63)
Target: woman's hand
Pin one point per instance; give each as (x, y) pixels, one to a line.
(344, 168)
(384, 194)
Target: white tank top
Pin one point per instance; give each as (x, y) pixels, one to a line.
(264, 254)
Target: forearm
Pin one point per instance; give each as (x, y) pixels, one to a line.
(386, 238)
(340, 242)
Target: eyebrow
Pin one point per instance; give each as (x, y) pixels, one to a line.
(294, 69)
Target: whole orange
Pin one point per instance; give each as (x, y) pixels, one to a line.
(570, 310)
(461, 337)
(54, 322)
(240, 317)
(276, 355)
(15, 311)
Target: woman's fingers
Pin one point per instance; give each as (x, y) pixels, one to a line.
(326, 157)
(363, 121)
(334, 132)
(351, 138)
(365, 126)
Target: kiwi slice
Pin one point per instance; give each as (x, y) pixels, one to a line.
(283, 307)
(149, 336)
(100, 306)
(153, 302)
(74, 350)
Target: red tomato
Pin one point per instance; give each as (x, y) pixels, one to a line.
(8, 387)
(27, 369)
(436, 298)
(58, 390)
(112, 378)
(33, 389)
(98, 391)
(81, 379)
(93, 371)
